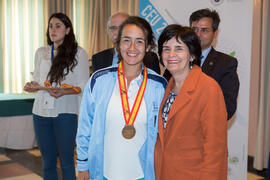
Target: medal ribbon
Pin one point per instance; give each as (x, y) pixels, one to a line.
(130, 116)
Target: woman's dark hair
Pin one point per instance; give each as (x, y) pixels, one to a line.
(65, 60)
(144, 26)
(187, 36)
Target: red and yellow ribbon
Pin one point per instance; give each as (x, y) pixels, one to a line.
(130, 116)
(76, 90)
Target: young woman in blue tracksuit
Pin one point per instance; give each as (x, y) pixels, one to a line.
(118, 115)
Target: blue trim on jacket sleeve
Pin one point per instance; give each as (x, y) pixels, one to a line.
(100, 73)
(82, 160)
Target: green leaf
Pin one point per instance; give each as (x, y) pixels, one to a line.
(232, 54)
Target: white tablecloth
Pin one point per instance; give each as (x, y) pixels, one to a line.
(17, 132)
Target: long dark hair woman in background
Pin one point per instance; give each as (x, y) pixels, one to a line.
(60, 74)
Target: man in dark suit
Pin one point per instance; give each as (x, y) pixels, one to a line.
(221, 67)
(109, 56)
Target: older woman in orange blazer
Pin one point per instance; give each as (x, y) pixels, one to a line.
(192, 139)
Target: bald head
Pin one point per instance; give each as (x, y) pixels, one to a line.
(114, 23)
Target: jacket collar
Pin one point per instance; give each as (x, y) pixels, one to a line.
(210, 61)
(110, 55)
(184, 96)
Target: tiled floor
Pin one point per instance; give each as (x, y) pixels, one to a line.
(26, 165)
(20, 165)
(254, 177)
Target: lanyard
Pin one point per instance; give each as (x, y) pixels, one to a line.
(130, 116)
(52, 53)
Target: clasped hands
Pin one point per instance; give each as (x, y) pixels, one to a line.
(30, 87)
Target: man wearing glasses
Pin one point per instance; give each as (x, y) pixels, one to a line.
(221, 67)
(109, 56)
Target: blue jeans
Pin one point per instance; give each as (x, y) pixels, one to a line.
(56, 135)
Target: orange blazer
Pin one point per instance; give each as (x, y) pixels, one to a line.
(193, 146)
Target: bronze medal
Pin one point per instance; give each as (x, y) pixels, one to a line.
(128, 131)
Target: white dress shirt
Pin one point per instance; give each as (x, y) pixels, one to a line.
(205, 54)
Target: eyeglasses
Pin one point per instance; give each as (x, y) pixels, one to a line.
(202, 30)
(114, 28)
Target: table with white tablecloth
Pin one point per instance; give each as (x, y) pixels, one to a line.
(16, 122)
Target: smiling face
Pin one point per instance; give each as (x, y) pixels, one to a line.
(132, 45)
(176, 56)
(57, 31)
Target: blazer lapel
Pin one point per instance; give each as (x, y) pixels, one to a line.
(181, 100)
(184, 95)
(209, 62)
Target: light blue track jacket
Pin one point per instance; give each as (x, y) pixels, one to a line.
(92, 119)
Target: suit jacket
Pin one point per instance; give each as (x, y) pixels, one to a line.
(193, 145)
(104, 59)
(223, 69)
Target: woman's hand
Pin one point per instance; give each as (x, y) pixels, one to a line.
(60, 92)
(56, 92)
(83, 175)
(29, 86)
